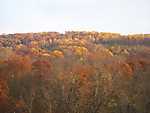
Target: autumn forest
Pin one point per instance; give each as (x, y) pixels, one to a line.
(74, 72)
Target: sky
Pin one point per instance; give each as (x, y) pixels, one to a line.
(121, 16)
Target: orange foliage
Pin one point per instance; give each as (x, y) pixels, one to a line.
(119, 67)
(4, 99)
(19, 104)
(85, 73)
(19, 65)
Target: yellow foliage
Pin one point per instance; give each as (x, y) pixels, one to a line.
(6, 53)
(58, 53)
(19, 46)
(46, 55)
(34, 43)
(81, 50)
(34, 50)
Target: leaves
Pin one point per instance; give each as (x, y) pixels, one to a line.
(75, 72)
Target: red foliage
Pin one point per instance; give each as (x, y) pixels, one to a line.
(42, 68)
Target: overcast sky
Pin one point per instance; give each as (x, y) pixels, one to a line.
(123, 16)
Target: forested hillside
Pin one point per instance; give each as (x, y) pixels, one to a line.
(74, 72)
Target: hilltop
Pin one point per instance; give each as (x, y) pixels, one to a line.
(74, 72)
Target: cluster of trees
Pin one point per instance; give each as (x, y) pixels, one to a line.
(70, 73)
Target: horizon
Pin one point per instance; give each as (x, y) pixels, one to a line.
(124, 17)
(74, 31)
